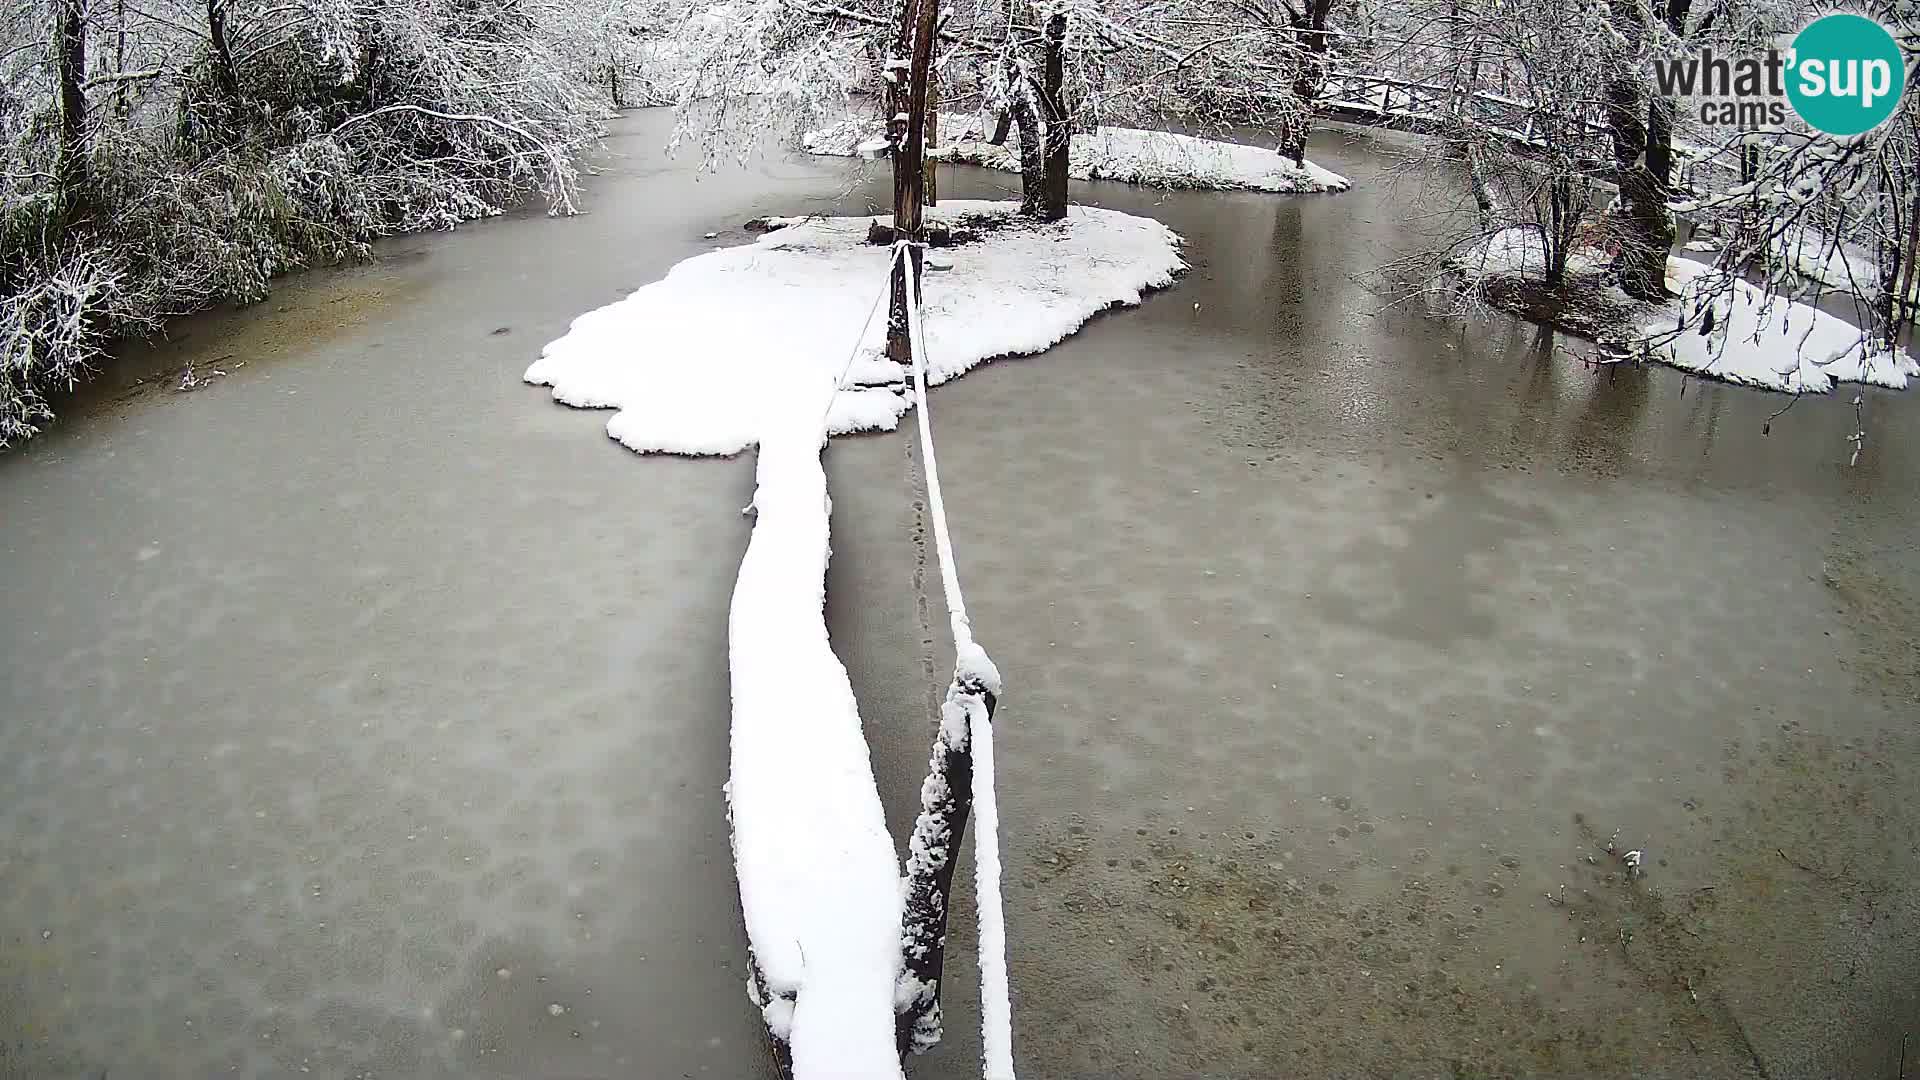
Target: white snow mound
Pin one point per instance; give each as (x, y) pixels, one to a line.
(1770, 342)
(702, 361)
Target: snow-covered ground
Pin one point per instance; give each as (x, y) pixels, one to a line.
(1775, 343)
(1770, 342)
(700, 361)
(1818, 261)
(1517, 252)
(1130, 155)
(763, 344)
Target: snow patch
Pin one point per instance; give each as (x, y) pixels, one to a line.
(1770, 342)
(702, 361)
(1517, 252)
(1129, 155)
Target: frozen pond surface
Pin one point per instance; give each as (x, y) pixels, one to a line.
(365, 713)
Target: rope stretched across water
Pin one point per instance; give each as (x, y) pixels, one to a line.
(971, 665)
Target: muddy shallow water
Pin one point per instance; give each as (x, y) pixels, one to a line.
(364, 713)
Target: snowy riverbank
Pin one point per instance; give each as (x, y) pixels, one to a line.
(762, 344)
(1773, 343)
(1129, 155)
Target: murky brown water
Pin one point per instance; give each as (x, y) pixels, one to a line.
(365, 713)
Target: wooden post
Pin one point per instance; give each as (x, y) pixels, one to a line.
(935, 849)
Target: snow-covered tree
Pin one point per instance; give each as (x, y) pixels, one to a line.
(166, 155)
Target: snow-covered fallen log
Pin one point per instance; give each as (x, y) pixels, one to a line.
(819, 884)
(1129, 155)
(763, 344)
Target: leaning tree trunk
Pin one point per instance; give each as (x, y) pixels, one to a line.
(1459, 100)
(70, 71)
(1646, 237)
(226, 74)
(1059, 134)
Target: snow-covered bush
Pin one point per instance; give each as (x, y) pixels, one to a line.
(226, 143)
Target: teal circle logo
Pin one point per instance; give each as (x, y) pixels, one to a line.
(1846, 74)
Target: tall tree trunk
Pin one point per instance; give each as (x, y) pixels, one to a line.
(1309, 23)
(70, 68)
(1905, 274)
(1660, 112)
(932, 167)
(909, 175)
(1059, 133)
(1033, 158)
(1660, 146)
(1646, 237)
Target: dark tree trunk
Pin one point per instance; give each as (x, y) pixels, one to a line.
(1646, 236)
(1059, 125)
(1309, 22)
(909, 173)
(1660, 146)
(1903, 271)
(1033, 158)
(932, 167)
(1660, 109)
(70, 68)
(1560, 228)
(225, 74)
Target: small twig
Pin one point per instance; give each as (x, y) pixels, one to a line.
(1822, 875)
(1766, 426)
